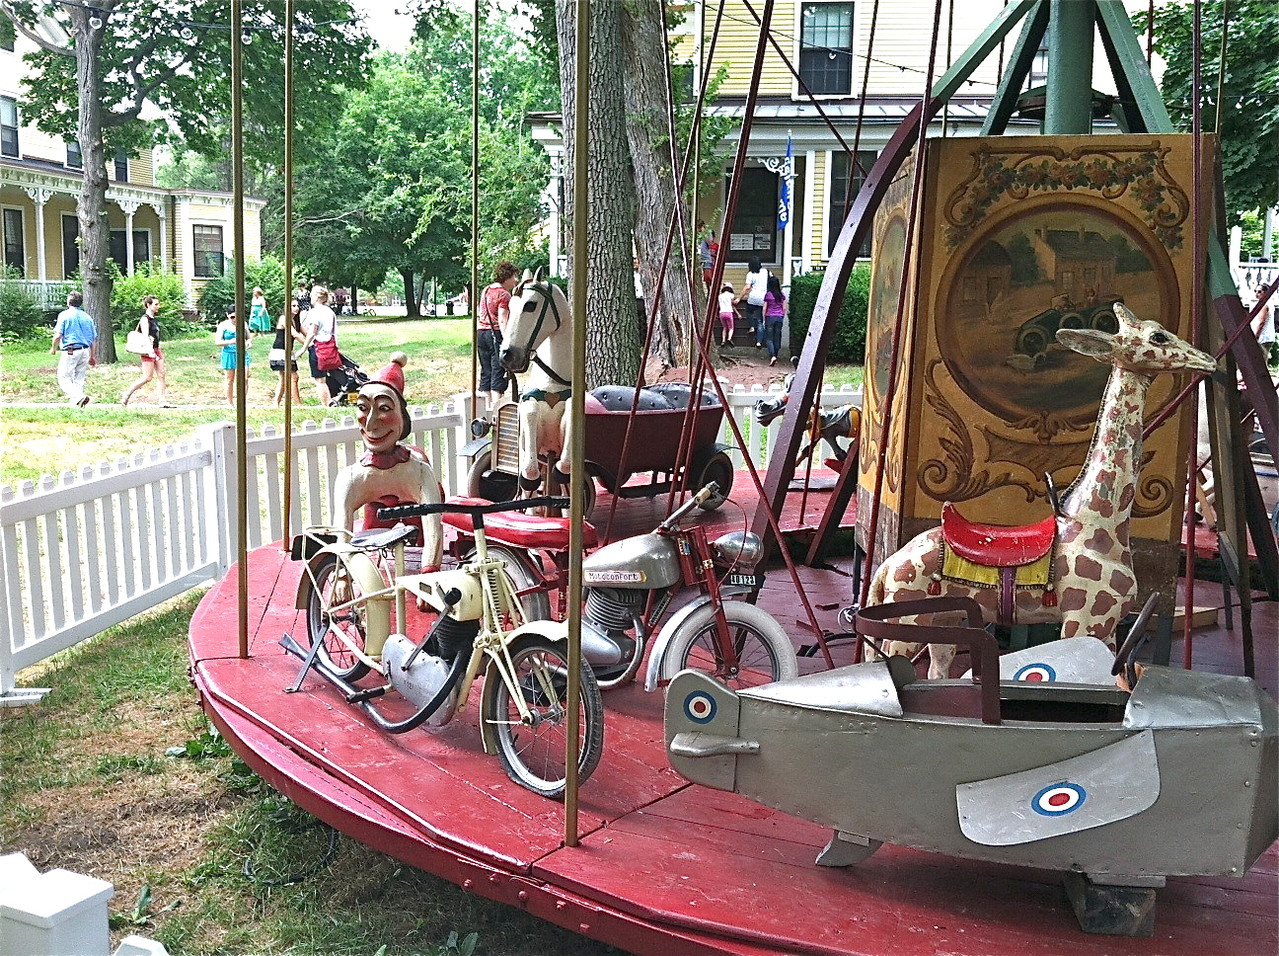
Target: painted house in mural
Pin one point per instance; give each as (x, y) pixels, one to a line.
(1080, 263)
(187, 231)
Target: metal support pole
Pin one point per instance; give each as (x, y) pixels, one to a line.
(577, 409)
(241, 421)
(290, 13)
(1068, 108)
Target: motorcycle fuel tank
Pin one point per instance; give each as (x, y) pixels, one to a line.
(644, 562)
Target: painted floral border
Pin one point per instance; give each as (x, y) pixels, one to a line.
(1016, 173)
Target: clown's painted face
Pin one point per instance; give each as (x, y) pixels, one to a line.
(379, 416)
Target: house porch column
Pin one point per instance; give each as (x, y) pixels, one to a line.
(39, 195)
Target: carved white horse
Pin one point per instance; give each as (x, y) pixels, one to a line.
(539, 340)
(1092, 585)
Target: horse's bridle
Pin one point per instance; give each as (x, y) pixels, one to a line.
(548, 302)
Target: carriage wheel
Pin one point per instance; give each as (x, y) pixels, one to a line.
(483, 482)
(718, 469)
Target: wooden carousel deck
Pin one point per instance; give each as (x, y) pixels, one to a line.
(665, 867)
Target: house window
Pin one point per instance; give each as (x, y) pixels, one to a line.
(840, 168)
(8, 126)
(70, 246)
(753, 233)
(75, 158)
(120, 250)
(15, 256)
(826, 48)
(121, 166)
(207, 247)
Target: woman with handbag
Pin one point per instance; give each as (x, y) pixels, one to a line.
(287, 331)
(321, 343)
(153, 363)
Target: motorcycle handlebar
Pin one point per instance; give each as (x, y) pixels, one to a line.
(396, 512)
(700, 498)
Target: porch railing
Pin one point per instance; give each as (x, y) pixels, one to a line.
(89, 549)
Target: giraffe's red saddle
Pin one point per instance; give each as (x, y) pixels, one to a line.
(994, 545)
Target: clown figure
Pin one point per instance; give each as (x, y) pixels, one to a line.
(389, 470)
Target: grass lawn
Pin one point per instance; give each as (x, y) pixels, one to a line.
(50, 439)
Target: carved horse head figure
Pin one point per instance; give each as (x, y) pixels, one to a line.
(1089, 584)
(539, 340)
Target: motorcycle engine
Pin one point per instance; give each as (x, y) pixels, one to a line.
(737, 548)
(608, 615)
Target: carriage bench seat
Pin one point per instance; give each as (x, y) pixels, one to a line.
(518, 529)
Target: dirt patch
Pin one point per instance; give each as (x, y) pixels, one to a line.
(746, 367)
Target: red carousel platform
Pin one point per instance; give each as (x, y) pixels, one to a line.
(664, 866)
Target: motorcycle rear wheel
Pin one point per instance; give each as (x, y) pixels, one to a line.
(764, 651)
(533, 754)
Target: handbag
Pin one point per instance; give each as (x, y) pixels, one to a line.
(138, 342)
(327, 356)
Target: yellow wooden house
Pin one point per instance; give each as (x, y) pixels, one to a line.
(188, 232)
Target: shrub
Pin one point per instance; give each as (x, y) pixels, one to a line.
(267, 272)
(21, 314)
(848, 343)
(148, 279)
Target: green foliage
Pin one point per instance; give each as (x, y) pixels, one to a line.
(392, 189)
(848, 344)
(268, 273)
(20, 312)
(142, 913)
(208, 744)
(1247, 118)
(164, 48)
(149, 279)
(1252, 242)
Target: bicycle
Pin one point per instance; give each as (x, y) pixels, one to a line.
(355, 588)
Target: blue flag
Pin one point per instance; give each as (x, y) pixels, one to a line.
(788, 171)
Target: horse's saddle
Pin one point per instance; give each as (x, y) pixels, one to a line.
(995, 545)
(522, 530)
(1007, 559)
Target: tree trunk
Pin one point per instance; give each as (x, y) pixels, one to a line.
(410, 300)
(612, 326)
(95, 233)
(648, 122)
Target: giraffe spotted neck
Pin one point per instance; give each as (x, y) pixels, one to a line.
(1106, 486)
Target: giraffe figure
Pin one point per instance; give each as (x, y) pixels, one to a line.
(1092, 585)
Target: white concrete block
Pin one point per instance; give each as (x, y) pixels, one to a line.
(58, 913)
(140, 946)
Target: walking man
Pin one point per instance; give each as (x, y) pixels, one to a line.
(73, 337)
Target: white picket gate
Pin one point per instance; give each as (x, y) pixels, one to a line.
(88, 550)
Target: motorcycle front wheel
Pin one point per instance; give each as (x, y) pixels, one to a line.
(533, 754)
(763, 651)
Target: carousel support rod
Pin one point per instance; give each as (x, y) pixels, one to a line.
(473, 300)
(1019, 64)
(290, 12)
(241, 419)
(577, 408)
(1068, 107)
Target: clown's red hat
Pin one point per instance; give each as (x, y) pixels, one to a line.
(393, 373)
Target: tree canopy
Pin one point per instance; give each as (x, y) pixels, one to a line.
(1244, 109)
(391, 187)
(99, 66)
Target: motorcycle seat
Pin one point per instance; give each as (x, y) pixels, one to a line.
(515, 528)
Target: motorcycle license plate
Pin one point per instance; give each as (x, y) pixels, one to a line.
(751, 581)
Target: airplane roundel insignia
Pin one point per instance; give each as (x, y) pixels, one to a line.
(1036, 673)
(700, 707)
(1059, 799)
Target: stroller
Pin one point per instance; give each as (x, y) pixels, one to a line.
(345, 382)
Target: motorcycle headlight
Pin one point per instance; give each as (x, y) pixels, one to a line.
(741, 548)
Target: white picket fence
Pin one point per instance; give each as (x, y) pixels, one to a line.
(88, 550)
